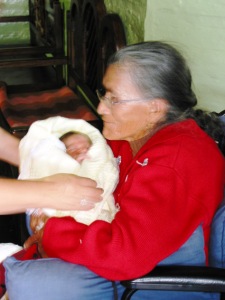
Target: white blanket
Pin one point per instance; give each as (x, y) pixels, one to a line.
(43, 154)
(8, 249)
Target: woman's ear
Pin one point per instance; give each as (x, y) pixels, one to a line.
(158, 105)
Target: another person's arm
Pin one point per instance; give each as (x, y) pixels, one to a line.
(9, 147)
(61, 191)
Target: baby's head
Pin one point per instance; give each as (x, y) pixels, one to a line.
(77, 144)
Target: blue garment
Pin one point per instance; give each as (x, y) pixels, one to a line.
(54, 279)
(191, 253)
(27, 218)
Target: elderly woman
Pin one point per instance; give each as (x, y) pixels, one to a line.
(171, 183)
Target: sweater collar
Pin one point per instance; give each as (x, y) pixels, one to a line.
(163, 133)
(137, 144)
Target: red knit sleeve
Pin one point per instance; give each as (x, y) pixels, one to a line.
(148, 228)
(160, 207)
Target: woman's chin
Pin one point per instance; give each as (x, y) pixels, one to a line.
(108, 134)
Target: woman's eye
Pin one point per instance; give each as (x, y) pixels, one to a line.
(102, 91)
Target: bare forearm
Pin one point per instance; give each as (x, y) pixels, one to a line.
(61, 191)
(16, 196)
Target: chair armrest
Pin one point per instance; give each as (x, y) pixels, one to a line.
(180, 278)
(19, 131)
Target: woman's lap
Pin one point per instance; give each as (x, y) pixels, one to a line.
(48, 279)
(55, 279)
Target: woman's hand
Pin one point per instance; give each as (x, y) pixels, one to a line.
(37, 224)
(37, 220)
(72, 192)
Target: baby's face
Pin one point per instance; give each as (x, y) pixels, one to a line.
(77, 146)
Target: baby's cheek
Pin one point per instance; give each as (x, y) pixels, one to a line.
(74, 153)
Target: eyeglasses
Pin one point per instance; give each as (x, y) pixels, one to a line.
(109, 102)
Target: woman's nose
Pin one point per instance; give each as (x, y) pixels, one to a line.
(102, 108)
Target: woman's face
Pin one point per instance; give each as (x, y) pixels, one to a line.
(124, 121)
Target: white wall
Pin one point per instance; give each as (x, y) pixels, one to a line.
(197, 29)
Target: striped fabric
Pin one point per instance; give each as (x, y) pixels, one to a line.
(24, 109)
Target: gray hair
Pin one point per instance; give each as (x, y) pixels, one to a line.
(159, 71)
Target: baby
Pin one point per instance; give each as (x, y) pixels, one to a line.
(77, 144)
(61, 145)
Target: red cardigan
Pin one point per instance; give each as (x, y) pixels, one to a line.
(173, 184)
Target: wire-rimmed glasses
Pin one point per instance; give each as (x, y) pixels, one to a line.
(109, 102)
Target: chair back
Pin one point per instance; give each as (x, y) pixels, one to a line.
(217, 238)
(221, 141)
(217, 235)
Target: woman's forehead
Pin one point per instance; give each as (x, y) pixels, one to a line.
(114, 73)
(117, 78)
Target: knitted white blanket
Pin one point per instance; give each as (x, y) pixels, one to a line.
(43, 154)
(8, 249)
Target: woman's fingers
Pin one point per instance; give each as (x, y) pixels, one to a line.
(70, 191)
(30, 241)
